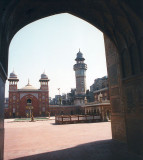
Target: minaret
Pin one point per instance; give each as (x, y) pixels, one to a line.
(13, 81)
(44, 82)
(44, 98)
(13, 101)
(80, 74)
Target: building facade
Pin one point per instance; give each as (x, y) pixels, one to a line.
(100, 89)
(101, 105)
(27, 100)
(80, 74)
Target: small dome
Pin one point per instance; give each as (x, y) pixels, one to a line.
(28, 87)
(79, 56)
(13, 75)
(44, 76)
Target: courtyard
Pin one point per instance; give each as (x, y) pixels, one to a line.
(43, 140)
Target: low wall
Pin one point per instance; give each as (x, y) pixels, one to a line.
(55, 110)
(91, 109)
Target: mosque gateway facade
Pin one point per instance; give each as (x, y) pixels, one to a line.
(21, 101)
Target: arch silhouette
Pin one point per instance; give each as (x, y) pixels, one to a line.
(122, 25)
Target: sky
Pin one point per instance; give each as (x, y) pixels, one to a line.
(51, 44)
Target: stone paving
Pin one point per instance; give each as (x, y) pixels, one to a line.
(43, 140)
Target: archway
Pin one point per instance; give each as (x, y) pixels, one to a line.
(29, 100)
(122, 23)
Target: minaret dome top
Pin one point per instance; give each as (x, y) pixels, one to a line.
(44, 76)
(13, 75)
(79, 56)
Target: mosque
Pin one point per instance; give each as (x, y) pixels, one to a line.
(29, 100)
(23, 101)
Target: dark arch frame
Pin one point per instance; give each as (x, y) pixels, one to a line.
(122, 25)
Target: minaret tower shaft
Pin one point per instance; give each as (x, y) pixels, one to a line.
(80, 74)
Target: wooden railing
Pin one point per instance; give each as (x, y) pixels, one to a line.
(67, 119)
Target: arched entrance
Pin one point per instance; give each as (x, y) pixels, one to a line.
(29, 104)
(122, 25)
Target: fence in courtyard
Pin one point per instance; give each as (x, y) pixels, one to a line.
(67, 119)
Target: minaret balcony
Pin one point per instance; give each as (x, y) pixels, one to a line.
(80, 66)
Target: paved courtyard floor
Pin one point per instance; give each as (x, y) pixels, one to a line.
(43, 140)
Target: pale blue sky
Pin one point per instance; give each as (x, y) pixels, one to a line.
(52, 44)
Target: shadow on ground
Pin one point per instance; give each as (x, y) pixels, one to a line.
(99, 150)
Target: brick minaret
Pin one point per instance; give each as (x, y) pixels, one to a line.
(44, 102)
(13, 100)
(13, 81)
